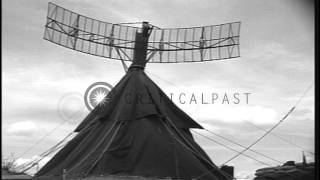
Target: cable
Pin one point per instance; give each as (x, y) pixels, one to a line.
(305, 92)
(264, 163)
(260, 138)
(229, 140)
(51, 150)
(299, 100)
(276, 125)
(220, 135)
(40, 140)
(48, 134)
(35, 162)
(198, 155)
(279, 137)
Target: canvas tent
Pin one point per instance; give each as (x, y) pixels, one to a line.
(139, 132)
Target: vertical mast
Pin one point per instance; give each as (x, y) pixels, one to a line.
(141, 45)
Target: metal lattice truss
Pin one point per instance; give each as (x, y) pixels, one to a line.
(116, 41)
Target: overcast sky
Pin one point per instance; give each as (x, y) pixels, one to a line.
(44, 83)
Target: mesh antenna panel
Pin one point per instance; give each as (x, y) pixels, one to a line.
(116, 41)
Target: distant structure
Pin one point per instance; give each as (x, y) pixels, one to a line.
(228, 169)
(146, 135)
(288, 171)
(6, 175)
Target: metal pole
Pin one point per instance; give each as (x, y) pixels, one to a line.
(64, 174)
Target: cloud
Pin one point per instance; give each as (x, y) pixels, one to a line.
(24, 128)
(244, 175)
(20, 162)
(229, 114)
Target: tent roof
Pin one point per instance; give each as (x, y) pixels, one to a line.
(132, 98)
(139, 132)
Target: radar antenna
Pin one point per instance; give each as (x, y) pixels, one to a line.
(155, 45)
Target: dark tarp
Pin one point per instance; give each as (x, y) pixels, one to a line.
(139, 132)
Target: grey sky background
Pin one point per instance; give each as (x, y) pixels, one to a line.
(276, 66)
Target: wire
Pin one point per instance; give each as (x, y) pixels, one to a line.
(270, 130)
(220, 135)
(260, 138)
(279, 137)
(59, 145)
(192, 150)
(244, 146)
(305, 92)
(48, 134)
(299, 100)
(227, 148)
(40, 140)
(264, 163)
(43, 155)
